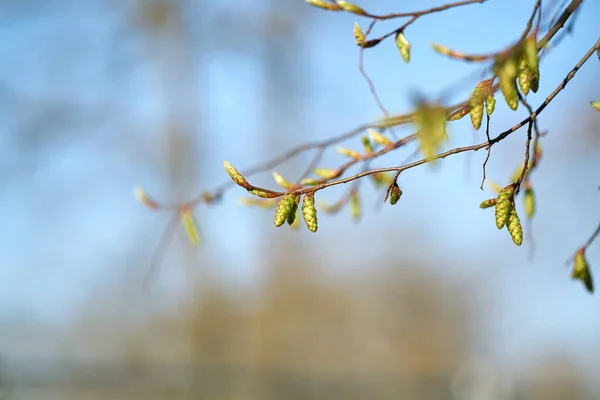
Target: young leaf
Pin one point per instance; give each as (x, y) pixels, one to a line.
(529, 201)
(281, 181)
(355, 206)
(431, 120)
(595, 104)
(326, 173)
(349, 153)
(324, 5)
(379, 138)
(353, 8)
(262, 203)
(581, 270)
(189, 225)
(403, 46)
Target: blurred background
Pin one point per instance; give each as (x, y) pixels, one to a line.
(426, 299)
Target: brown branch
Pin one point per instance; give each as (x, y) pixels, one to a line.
(418, 14)
(559, 23)
(216, 193)
(457, 150)
(592, 238)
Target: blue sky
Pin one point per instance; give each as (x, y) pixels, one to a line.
(71, 226)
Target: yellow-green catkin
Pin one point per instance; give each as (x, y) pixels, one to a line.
(292, 215)
(525, 74)
(309, 212)
(476, 103)
(503, 205)
(490, 104)
(514, 227)
(508, 75)
(284, 208)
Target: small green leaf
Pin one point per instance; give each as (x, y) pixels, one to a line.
(324, 5)
(326, 173)
(581, 270)
(379, 138)
(189, 226)
(353, 8)
(355, 206)
(403, 46)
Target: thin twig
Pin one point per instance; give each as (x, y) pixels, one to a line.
(526, 161)
(162, 244)
(489, 149)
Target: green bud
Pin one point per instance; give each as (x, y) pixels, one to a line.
(403, 46)
(581, 270)
(395, 194)
(359, 36)
(235, 175)
(488, 203)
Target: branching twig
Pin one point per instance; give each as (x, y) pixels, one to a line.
(457, 150)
